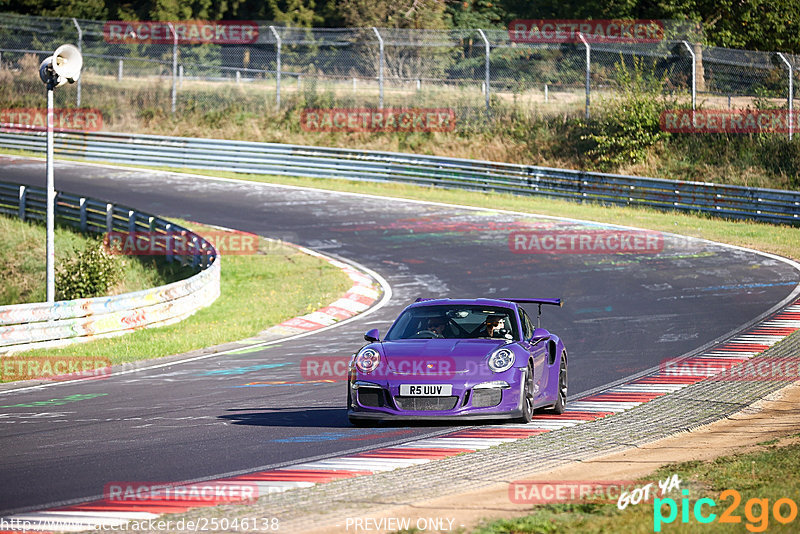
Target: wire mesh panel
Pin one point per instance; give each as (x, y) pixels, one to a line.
(136, 73)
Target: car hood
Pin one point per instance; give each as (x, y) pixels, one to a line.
(461, 354)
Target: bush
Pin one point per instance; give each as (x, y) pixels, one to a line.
(631, 124)
(90, 273)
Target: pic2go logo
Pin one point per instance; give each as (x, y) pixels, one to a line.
(756, 511)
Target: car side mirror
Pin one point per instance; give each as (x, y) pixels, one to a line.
(372, 336)
(539, 334)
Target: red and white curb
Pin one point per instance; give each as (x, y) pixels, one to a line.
(614, 400)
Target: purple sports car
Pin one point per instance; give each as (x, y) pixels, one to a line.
(459, 359)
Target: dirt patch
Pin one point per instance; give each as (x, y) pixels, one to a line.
(774, 417)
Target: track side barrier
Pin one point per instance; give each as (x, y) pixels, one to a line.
(40, 325)
(766, 205)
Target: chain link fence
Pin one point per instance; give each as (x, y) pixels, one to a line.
(470, 71)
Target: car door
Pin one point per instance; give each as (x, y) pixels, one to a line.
(538, 354)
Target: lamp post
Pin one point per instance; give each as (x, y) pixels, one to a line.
(64, 66)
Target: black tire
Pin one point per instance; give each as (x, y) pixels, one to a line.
(561, 398)
(527, 398)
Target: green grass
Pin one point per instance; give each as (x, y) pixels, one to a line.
(769, 474)
(23, 269)
(257, 291)
(520, 129)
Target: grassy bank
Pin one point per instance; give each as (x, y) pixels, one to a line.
(23, 269)
(623, 134)
(764, 476)
(254, 296)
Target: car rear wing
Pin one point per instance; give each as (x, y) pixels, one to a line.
(552, 302)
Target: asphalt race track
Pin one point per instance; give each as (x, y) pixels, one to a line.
(624, 313)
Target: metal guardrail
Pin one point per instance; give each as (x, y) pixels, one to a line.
(767, 205)
(37, 325)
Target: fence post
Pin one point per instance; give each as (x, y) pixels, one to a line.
(119, 71)
(488, 50)
(790, 96)
(588, 69)
(277, 67)
(109, 218)
(80, 49)
(174, 65)
(694, 73)
(23, 196)
(380, 67)
(83, 213)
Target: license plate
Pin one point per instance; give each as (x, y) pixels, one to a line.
(426, 390)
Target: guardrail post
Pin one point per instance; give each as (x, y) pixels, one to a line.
(694, 73)
(82, 204)
(277, 66)
(195, 252)
(131, 221)
(174, 65)
(790, 96)
(486, 67)
(80, 49)
(168, 240)
(109, 218)
(380, 67)
(23, 194)
(588, 69)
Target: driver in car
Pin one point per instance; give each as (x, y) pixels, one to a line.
(434, 327)
(493, 326)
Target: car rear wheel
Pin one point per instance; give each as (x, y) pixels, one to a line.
(527, 397)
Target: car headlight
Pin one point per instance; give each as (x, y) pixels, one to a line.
(501, 360)
(367, 360)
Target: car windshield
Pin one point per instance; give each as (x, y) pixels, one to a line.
(455, 322)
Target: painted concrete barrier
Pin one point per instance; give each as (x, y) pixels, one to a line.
(40, 325)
